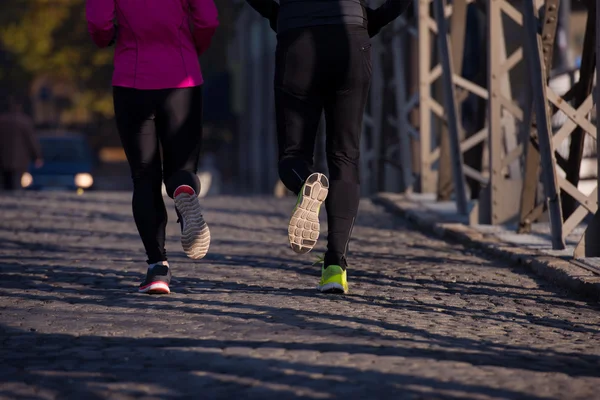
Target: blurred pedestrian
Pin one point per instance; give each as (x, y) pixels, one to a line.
(323, 64)
(157, 90)
(18, 144)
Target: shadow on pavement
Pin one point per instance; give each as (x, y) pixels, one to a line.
(68, 274)
(89, 366)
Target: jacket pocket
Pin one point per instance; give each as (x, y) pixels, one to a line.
(366, 47)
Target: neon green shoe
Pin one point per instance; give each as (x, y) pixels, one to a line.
(333, 279)
(304, 227)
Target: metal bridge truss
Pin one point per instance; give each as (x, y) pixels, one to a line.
(483, 139)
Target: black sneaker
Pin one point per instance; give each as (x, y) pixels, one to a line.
(157, 279)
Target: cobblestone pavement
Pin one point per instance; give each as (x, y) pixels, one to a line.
(425, 319)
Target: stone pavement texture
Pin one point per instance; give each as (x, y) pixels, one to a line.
(425, 319)
(533, 250)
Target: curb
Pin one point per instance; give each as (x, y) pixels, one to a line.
(564, 273)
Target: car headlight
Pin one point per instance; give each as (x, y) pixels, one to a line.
(84, 180)
(26, 180)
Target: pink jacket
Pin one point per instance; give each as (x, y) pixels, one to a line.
(157, 41)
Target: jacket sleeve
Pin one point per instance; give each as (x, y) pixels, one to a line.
(266, 8)
(204, 20)
(100, 15)
(269, 9)
(386, 13)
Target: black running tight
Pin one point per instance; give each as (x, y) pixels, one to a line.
(324, 69)
(148, 121)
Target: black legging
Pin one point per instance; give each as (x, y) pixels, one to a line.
(324, 68)
(145, 119)
(11, 180)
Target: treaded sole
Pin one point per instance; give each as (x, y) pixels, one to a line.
(304, 227)
(195, 238)
(155, 288)
(333, 288)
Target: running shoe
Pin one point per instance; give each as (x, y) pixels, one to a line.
(333, 278)
(195, 235)
(157, 279)
(304, 226)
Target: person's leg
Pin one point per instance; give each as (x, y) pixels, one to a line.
(344, 115)
(11, 180)
(7, 179)
(3, 178)
(15, 178)
(179, 127)
(134, 114)
(298, 108)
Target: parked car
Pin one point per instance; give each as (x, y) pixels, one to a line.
(68, 163)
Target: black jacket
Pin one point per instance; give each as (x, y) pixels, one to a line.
(304, 13)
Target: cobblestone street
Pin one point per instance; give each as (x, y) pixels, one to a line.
(424, 319)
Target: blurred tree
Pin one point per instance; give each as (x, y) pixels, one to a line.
(11, 76)
(49, 38)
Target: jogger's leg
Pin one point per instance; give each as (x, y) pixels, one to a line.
(344, 115)
(16, 180)
(12, 180)
(135, 123)
(296, 137)
(179, 125)
(298, 107)
(4, 176)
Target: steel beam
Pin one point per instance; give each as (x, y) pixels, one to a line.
(458, 24)
(429, 161)
(588, 245)
(451, 114)
(530, 211)
(499, 203)
(370, 149)
(427, 176)
(537, 76)
(583, 90)
(476, 122)
(404, 101)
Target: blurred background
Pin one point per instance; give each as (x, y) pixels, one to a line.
(48, 60)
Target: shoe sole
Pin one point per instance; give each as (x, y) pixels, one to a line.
(304, 227)
(333, 288)
(195, 238)
(155, 288)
